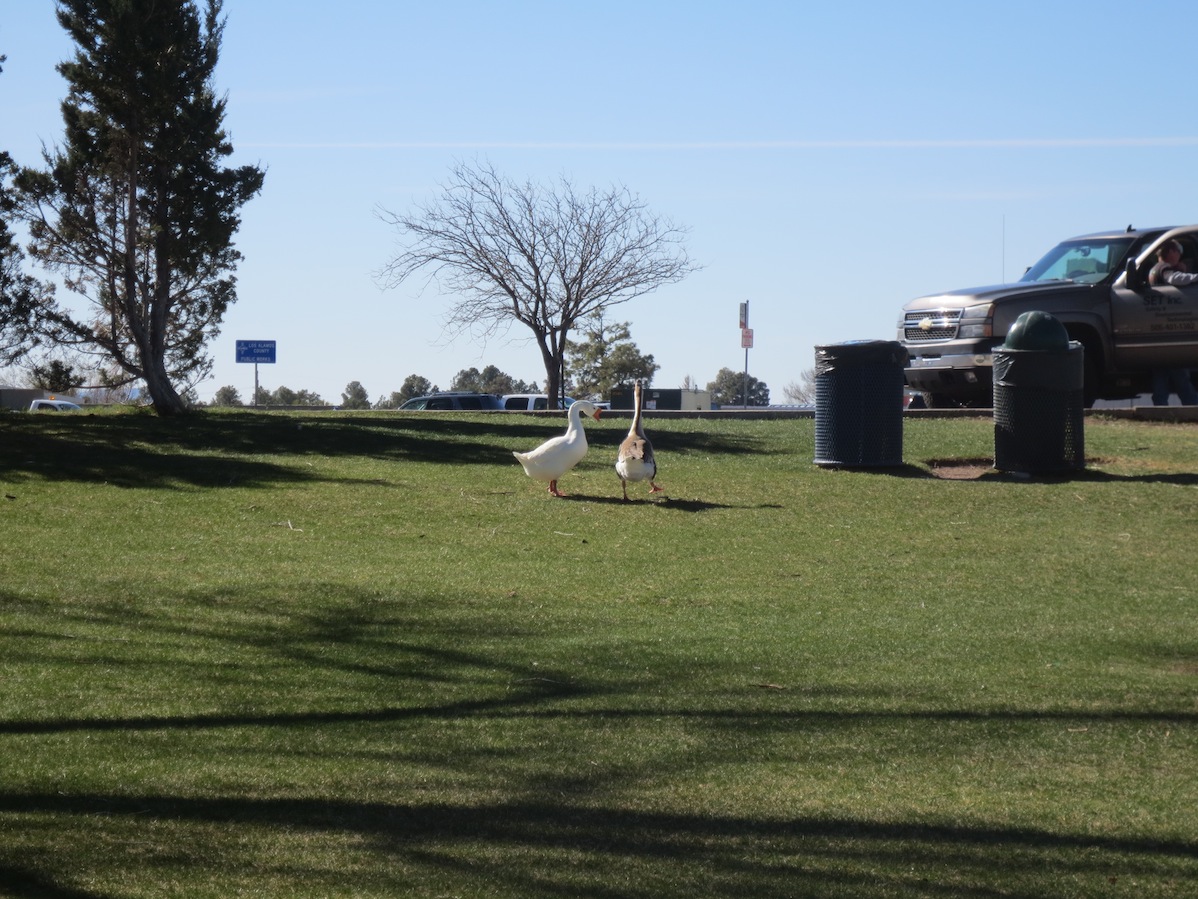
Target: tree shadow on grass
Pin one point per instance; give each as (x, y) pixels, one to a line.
(28, 881)
(526, 813)
(522, 703)
(568, 847)
(256, 449)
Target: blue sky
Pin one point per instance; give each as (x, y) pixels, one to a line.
(830, 161)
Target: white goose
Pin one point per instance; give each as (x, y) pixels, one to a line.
(556, 456)
(635, 461)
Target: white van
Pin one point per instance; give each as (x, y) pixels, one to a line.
(531, 402)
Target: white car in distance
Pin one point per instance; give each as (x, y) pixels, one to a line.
(53, 405)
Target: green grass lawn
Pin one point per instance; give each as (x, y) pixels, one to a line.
(335, 654)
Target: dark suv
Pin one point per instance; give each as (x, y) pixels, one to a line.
(460, 402)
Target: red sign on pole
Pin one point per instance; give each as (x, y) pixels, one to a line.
(746, 338)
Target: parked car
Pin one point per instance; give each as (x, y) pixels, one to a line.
(533, 402)
(54, 406)
(1096, 285)
(460, 402)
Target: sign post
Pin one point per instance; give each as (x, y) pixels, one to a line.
(256, 351)
(746, 341)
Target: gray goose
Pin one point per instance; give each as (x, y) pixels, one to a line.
(635, 461)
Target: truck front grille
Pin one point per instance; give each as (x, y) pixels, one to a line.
(931, 324)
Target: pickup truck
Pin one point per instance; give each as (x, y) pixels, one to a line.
(1096, 285)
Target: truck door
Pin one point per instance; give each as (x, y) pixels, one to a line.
(1157, 325)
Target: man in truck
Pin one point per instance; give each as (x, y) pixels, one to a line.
(1169, 269)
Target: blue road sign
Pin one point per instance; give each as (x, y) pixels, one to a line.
(256, 351)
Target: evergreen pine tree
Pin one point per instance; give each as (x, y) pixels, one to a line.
(135, 211)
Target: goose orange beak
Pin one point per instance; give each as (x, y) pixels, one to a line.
(598, 412)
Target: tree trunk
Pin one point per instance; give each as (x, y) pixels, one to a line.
(553, 370)
(166, 400)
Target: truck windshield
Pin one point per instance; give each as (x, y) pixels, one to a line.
(1076, 260)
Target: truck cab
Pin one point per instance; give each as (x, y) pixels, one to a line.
(1096, 285)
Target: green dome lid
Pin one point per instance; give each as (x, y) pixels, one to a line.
(1037, 331)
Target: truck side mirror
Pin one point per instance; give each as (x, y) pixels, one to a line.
(1135, 277)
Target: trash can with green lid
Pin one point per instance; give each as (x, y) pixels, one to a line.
(859, 403)
(1039, 398)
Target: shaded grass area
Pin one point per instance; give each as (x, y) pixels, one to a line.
(245, 448)
(271, 654)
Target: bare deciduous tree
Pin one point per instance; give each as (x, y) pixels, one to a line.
(546, 257)
(801, 391)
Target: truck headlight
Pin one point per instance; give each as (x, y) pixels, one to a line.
(983, 329)
(977, 321)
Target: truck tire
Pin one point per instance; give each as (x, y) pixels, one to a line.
(944, 401)
(1092, 385)
(1091, 364)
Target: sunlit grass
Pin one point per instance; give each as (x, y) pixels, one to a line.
(335, 654)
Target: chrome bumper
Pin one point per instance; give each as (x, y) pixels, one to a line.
(954, 361)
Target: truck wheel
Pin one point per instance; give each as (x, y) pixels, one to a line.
(944, 401)
(986, 403)
(1091, 371)
(1091, 380)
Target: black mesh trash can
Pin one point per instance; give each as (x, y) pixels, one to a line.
(859, 403)
(1039, 399)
